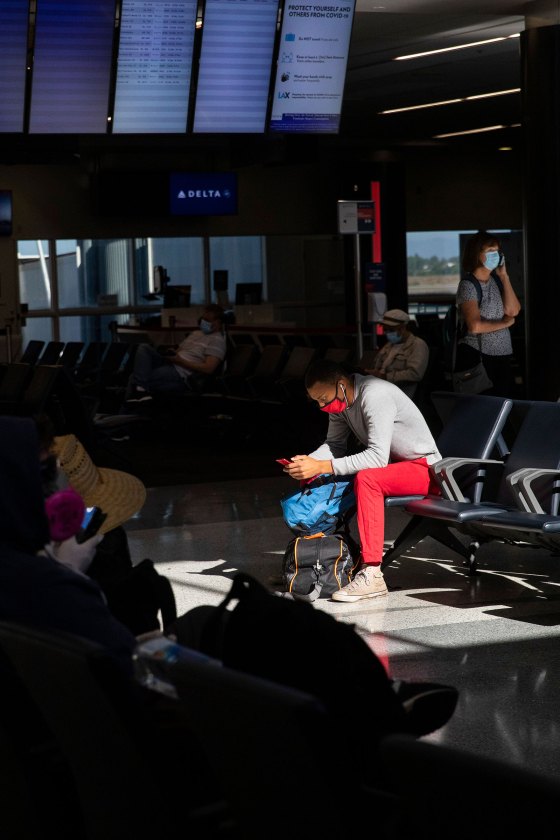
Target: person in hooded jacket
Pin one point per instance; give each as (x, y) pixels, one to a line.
(35, 589)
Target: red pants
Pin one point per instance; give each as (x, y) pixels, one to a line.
(371, 486)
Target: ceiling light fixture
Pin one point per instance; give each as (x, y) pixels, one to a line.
(496, 93)
(451, 101)
(418, 107)
(458, 47)
(475, 130)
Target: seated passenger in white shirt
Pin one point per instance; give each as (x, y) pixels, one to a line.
(199, 355)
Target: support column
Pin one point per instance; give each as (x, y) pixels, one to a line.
(540, 65)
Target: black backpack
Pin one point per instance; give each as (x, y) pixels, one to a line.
(136, 595)
(318, 565)
(453, 329)
(295, 644)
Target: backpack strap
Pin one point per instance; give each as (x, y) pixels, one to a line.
(476, 283)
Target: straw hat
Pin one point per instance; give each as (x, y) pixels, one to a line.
(119, 494)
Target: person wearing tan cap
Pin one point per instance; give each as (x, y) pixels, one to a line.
(404, 357)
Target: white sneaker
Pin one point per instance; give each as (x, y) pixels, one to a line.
(368, 583)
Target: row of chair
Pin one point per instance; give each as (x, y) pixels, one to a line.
(247, 369)
(512, 497)
(87, 362)
(276, 372)
(254, 390)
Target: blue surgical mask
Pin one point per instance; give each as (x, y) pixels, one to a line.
(393, 337)
(491, 260)
(205, 326)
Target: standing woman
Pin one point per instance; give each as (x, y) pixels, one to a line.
(485, 326)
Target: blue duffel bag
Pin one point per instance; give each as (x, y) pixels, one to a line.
(320, 506)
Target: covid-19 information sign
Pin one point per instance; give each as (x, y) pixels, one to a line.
(311, 68)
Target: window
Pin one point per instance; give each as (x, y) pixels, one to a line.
(75, 288)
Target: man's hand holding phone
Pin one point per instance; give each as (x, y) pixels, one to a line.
(283, 461)
(305, 469)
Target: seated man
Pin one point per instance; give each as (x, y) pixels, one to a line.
(201, 352)
(396, 449)
(404, 358)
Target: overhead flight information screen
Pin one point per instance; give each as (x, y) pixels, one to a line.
(235, 66)
(13, 57)
(311, 68)
(154, 66)
(72, 66)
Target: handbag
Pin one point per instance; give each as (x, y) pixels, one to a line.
(472, 380)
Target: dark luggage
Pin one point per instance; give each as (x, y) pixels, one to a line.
(316, 566)
(139, 596)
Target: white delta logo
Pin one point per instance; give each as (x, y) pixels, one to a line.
(204, 194)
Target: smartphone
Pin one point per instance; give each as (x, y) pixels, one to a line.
(283, 461)
(93, 519)
(502, 259)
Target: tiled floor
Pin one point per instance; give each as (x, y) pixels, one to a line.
(496, 637)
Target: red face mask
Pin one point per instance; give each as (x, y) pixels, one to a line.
(336, 406)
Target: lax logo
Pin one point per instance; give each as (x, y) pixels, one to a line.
(284, 95)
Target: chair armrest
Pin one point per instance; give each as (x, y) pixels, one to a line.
(532, 486)
(466, 479)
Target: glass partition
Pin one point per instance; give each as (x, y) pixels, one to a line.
(83, 285)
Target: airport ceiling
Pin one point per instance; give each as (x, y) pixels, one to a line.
(376, 82)
(383, 30)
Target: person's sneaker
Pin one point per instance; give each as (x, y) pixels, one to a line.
(139, 395)
(368, 583)
(428, 706)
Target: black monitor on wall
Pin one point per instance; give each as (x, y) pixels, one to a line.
(5, 212)
(220, 280)
(248, 294)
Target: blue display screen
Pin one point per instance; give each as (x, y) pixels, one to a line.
(72, 66)
(154, 66)
(235, 66)
(200, 194)
(13, 57)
